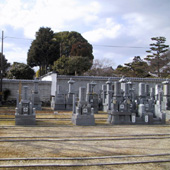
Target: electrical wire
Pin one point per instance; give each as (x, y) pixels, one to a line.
(109, 46)
(116, 46)
(19, 38)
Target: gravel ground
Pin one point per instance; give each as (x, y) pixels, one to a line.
(99, 140)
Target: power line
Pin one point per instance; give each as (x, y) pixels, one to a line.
(109, 46)
(19, 38)
(116, 46)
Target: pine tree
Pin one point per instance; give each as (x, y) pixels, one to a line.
(157, 49)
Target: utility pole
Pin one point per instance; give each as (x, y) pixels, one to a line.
(1, 70)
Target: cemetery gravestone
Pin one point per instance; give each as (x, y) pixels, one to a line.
(69, 99)
(25, 113)
(36, 97)
(166, 95)
(58, 102)
(120, 111)
(92, 97)
(103, 97)
(124, 109)
(109, 92)
(83, 113)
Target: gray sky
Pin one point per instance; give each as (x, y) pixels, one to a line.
(111, 26)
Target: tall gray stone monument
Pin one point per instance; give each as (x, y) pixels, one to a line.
(109, 92)
(25, 113)
(103, 97)
(83, 113)
(166, 95)
(36, 97)
(120, 112)
(59, 101)
(92, 97)
(157, 90)
(69, 97)
(141, 109)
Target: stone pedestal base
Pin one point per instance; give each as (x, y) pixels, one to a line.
(105, 107)
(83, 120)
(25, 120)
(59, 107)
(37, 106)
(123, 118)
(119, 118)
(69, 107)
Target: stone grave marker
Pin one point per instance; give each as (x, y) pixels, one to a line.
(83, 113)
(25, 113)
(36, 97)
(92, 97)
(69, 97)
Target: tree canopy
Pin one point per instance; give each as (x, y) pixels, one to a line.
(155, 59)
(75, 65)
(136, 68)
(75, 54)
(165, 69)
(61, 65)
(48, 47)
(5, 65)
(20, 71)
(44, 50)
(82, 49)
(70, 53)
(73, 44)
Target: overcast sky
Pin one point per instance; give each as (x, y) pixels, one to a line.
(111, 26)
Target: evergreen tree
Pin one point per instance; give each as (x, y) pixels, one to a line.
(73, 44)
(48, 47)
(61, 65)
(157, 49)
(20, 71)
(44, 50)
(136, 68)
(75, 54)
(5, 65)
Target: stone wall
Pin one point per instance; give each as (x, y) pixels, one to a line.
(45, 86)
(13, 86)
(81, 81)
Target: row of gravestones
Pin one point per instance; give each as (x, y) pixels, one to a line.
(65, 101)
(121, 103)
(146, 108)
(124, 106)
(103, 100)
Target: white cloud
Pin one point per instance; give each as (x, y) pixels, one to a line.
(143, 26)
(106, 29)
(8, 45)
(136, 24)
(55, 14)
(108, 55)
(111, 22)
(16, 55)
